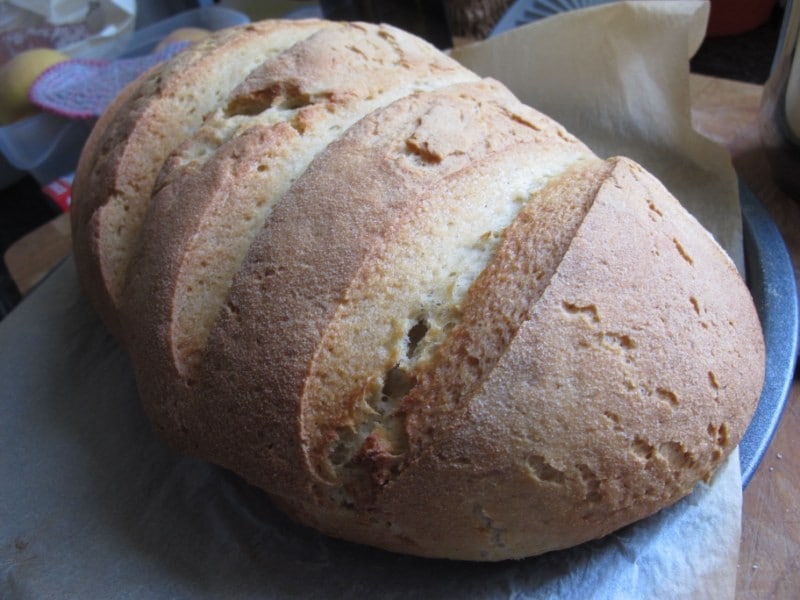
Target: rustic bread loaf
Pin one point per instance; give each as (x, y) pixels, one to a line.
(417, 313)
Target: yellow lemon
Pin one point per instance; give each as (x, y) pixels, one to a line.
(16, 78)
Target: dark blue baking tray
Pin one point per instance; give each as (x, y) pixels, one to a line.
(771, 279)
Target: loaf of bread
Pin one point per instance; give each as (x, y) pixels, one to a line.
(416, 312)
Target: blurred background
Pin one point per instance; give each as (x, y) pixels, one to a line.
(38, 151)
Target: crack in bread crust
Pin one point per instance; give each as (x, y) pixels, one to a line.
(362, 207)
(267, 154)
(425, 273)
(536, 404)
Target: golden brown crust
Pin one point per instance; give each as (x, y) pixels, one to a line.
(399, 147)
(357, 292)
(113, 184)
(585, 444)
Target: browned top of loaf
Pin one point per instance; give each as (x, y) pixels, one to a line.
(300, 266)
(238, 165)
(411, 289)
(556, 413)
(621, 388)
(128, 146)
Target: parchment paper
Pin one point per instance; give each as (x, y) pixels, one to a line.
(93, 505)
(618, 77)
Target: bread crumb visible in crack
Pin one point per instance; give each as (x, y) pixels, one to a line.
(592, 484)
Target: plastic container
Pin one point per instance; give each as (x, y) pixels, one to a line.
(48, 146)
(211, 17)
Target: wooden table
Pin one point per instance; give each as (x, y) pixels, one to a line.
(726, 111)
